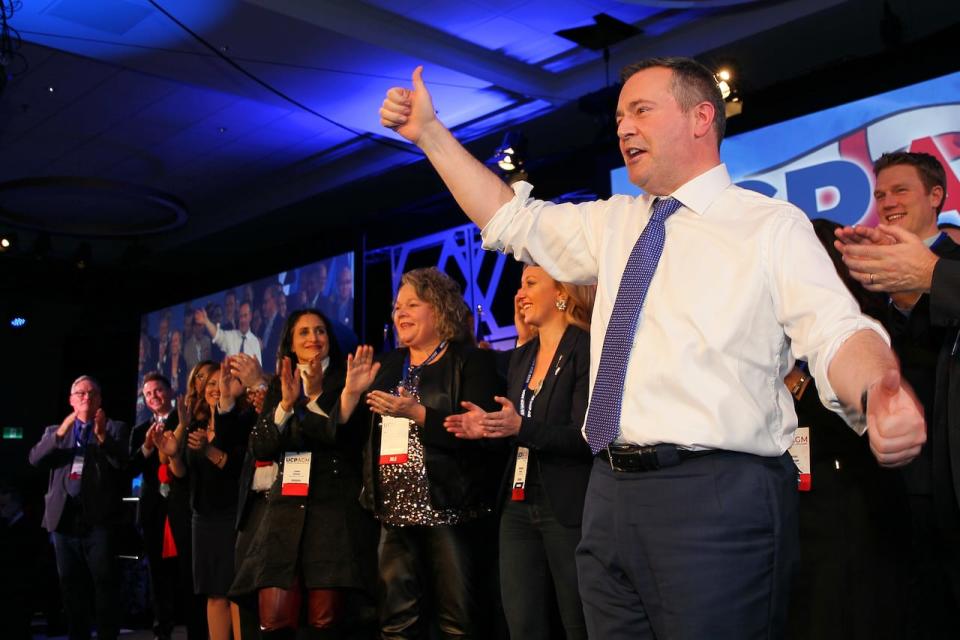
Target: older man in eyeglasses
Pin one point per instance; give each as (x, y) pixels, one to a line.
(86, 455)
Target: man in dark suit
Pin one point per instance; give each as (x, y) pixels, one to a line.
(156, 502)
(908, 258)
(272, 327)
(86, 455)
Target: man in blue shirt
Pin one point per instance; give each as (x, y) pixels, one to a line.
(86, 455)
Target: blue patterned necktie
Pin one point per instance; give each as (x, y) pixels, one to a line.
(606, 401)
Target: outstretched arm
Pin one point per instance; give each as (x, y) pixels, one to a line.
(895, 425)
(409, 112)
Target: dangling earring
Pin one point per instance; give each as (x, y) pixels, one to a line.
(561, 304)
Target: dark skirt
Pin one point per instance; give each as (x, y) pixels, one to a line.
(328, 540)
(214, 539)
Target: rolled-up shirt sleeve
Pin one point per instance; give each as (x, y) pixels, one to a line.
(816, 310)
(561, 238)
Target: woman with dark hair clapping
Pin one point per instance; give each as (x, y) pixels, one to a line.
(315, 546)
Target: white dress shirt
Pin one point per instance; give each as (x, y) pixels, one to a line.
(742, 289)
(229, 341)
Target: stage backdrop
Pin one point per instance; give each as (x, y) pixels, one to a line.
(171, 343)
(822, 162)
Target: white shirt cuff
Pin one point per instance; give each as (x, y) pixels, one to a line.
(280, 416)
(492, 233)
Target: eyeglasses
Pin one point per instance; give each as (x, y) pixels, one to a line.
(89, 394)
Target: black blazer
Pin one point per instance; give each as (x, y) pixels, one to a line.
(923, 341)
(151, 508)
(104, 478)
(558, 451)
(461, 473)
(945, 314)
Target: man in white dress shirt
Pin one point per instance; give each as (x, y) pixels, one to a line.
(689, 530)
(233, 341)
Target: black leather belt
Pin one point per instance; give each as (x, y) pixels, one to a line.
(634, 458)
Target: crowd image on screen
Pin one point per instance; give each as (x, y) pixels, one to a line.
(246, 318)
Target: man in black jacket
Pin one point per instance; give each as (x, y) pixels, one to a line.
(153, 507)
(86, 455)
(908, 258)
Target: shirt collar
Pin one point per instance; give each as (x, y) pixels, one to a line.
(699, 193)
(934, 239)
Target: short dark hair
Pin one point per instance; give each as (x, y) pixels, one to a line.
(692, 84)
(156, 376)
(931, 172)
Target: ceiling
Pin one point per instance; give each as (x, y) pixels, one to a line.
(159, 123)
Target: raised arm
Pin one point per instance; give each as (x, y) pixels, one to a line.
(409, 112)
(200, 317)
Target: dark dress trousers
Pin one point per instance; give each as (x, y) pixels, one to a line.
(84, 527)
(539, 535)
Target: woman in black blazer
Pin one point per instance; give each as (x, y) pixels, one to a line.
(543, 489)
(315, 546)
(432, 493)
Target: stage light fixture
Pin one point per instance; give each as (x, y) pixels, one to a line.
(8, 241)
(510, 157)
(731, 97)
(18, 322)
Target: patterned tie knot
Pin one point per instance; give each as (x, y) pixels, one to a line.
(663, 208)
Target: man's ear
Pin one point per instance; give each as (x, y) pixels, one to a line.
(936, 194)
(703, 115)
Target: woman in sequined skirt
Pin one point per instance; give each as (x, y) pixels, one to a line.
(432, 492)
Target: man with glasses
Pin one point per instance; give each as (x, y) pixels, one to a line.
(86, 455)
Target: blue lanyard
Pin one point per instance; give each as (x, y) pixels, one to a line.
(526, 411)
(411, 375)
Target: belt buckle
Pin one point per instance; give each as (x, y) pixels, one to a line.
(625, 458)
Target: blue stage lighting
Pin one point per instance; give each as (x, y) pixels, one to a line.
(18, 322)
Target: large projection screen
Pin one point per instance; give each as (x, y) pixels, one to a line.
(170, 341)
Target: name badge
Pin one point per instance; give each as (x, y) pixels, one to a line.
(394, 440)
(296, 473)
(520, 474)
(800, 451)
(76, 469)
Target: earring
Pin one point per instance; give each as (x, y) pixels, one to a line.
(561, 304)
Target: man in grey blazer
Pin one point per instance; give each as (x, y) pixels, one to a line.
(86, 455)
